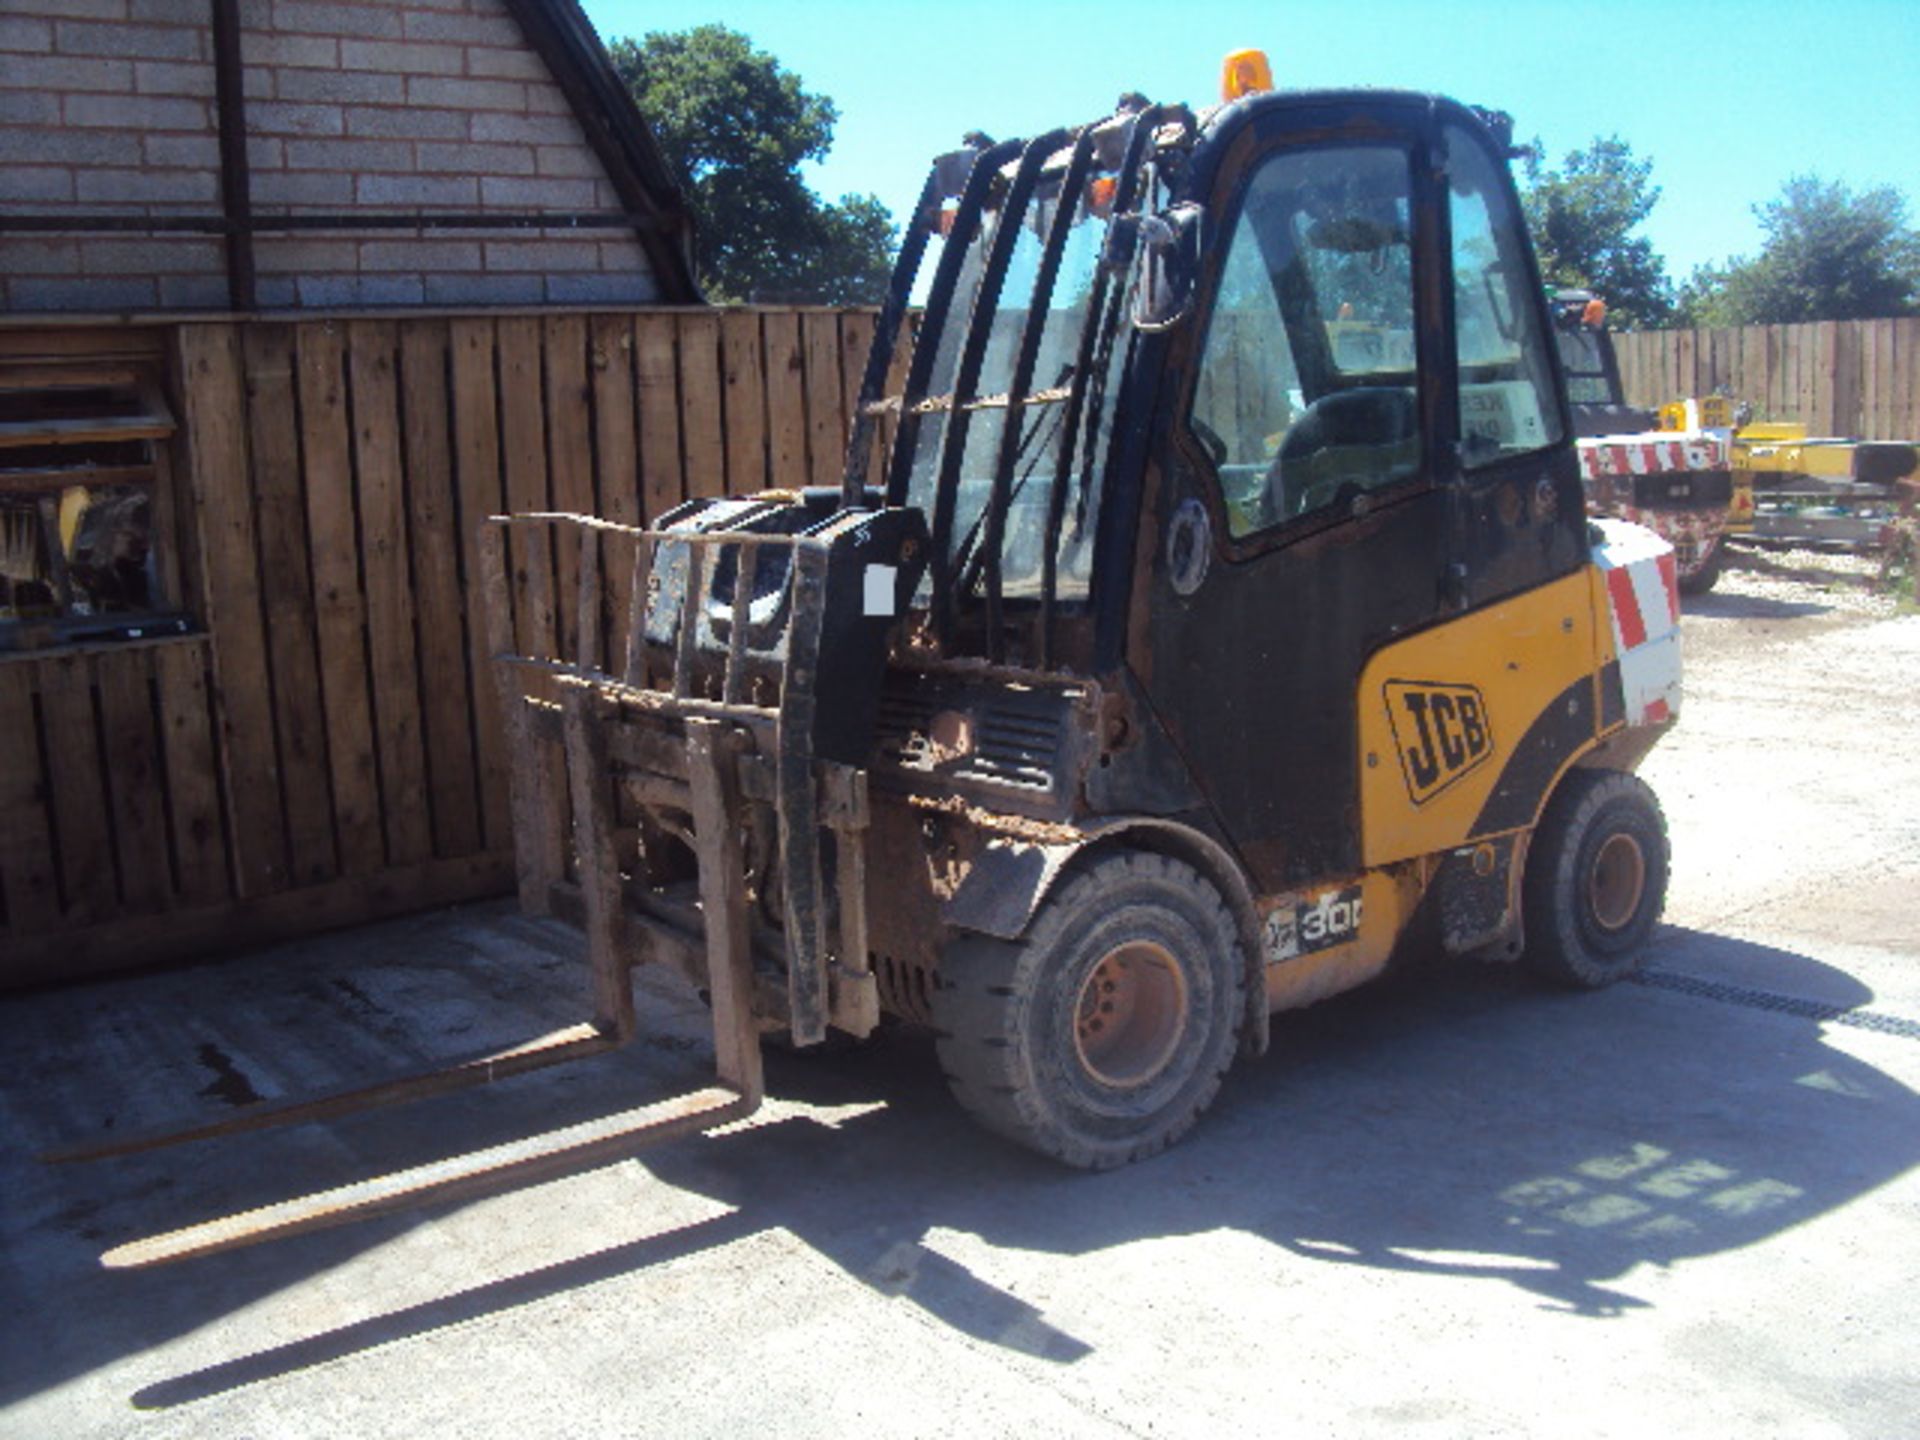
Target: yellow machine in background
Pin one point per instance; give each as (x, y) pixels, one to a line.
(1788, 485)
(1722, 474)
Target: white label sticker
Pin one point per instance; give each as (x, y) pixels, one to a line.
(881, 582)
(1299, 925)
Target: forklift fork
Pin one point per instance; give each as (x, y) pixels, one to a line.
(697, 747)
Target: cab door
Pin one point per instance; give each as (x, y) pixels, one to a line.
(1318, 493)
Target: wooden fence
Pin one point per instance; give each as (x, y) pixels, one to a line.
(328, 749)
(1858, 378)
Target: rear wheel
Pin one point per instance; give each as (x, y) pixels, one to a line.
(1704, 575)
(1101, 1036)
(1596, 879)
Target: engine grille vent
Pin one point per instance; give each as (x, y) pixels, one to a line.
(1012, 744)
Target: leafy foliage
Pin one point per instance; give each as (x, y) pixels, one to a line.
(1583, 216)
(738, 126)
(1829, 254)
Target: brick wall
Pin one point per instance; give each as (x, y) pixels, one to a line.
(107, 105)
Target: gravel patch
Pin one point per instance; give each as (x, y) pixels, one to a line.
(1835, 581)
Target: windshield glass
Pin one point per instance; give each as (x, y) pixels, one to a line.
(1586, 371)
(1042, 440)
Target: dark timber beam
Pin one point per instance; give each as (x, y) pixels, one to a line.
(236, 183)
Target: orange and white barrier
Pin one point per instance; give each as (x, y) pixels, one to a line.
(1643, 597)
(1654, 453)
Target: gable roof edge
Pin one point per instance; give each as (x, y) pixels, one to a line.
(620, 136)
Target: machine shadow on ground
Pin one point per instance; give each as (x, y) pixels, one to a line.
(1456, 1122)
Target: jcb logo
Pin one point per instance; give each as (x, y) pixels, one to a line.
(1441, 731)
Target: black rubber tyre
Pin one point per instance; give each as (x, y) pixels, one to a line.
(1596, 879)
(1102, 1036)
(1707, 575)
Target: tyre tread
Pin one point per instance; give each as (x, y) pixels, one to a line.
(985, 988)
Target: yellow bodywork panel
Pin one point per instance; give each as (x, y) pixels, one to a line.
(1787, 449)
(1320, 942)
(1442, 712)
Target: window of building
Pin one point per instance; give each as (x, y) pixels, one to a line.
(84, 492)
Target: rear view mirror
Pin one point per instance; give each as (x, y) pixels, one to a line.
(1170, 244)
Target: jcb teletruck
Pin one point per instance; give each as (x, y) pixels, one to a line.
(1224, 622)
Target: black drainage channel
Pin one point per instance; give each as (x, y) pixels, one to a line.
(1783, 1004)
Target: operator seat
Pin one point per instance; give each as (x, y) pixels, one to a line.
(1359, 439)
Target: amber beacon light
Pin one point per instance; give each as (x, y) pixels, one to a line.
(1245, 72)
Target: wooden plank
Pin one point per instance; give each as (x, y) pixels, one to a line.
(609, 946)
(826, 400)
(531, 575)
(1849, 362)
(18, 433)
(897, 368)
(286, 585)
(36, 340)
(1779, 386)
(372, 347)
(1905, 420)
(744, 379)
(1826, 365)
(1721, 361)
(856, 339)
(700, 388)
(656, 388)
(1750, 382)
(713, 780)
(79, 799)
(434, 543)
(1872, 377)
(616, 452)
(339, 608)
(1626, 353)
(193, 772)
(1804, 342)
(786, 402)
(58, 477)
(133, 773)
(539, 833)
(476, 455)
(523, 454)
(569, 458)
(27, 880)
(156, 939)
(214, 397)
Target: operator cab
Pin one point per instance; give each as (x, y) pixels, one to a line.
(1210, 408)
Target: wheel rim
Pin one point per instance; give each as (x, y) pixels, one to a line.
(1130, 1015)
(1618, 880)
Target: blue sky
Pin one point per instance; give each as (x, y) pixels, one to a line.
(1728, 99)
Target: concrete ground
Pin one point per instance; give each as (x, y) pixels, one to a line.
(1452, 1204)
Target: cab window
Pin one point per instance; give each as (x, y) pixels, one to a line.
(1304, 400)
(1507, 402)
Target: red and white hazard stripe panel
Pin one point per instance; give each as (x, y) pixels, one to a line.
(1643, 596)
(1654, 453)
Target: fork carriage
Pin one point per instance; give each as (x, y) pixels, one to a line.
(706, 738)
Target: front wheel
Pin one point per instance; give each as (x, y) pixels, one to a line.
(1596, 879)
(1101, 1036)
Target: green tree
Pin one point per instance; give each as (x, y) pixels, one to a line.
(738, 127)
(1829, 254)
(1583, 216)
